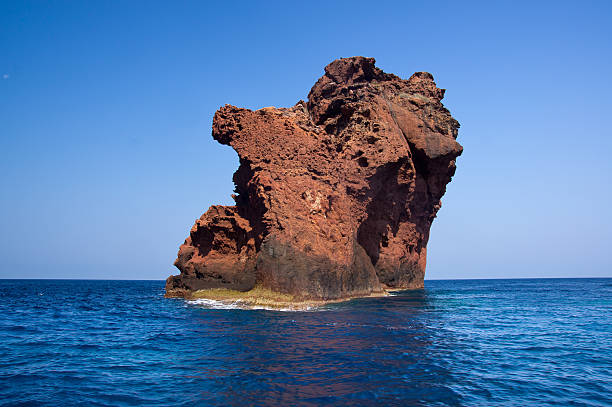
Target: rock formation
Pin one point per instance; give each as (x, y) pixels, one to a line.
(335, 196)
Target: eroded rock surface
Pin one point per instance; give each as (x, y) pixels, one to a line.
(335, 196)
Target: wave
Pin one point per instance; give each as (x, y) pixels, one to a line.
(240, 305)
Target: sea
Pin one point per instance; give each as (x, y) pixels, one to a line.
(523, 342)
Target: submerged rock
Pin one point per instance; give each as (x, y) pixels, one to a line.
(334, 197)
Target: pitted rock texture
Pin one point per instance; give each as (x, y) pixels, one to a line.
(335, 196)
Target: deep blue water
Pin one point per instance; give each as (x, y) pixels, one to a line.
(478, 342)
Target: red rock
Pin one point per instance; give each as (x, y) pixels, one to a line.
(335, 196)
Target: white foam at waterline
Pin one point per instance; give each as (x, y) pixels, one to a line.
(215, 304)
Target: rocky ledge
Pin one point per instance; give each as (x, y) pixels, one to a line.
(334, 197)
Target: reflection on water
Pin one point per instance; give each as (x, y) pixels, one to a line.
(487, 342)
(367, 349)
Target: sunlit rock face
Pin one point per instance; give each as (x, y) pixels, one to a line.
(335, 196)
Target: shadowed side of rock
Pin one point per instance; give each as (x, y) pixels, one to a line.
(217, 254)
(334, 196)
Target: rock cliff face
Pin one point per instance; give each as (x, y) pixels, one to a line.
(335, 196)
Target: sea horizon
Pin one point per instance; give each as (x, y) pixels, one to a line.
(426, 279)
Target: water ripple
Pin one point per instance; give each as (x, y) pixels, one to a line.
(481, 342)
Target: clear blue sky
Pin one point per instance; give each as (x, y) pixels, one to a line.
(106, 157)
